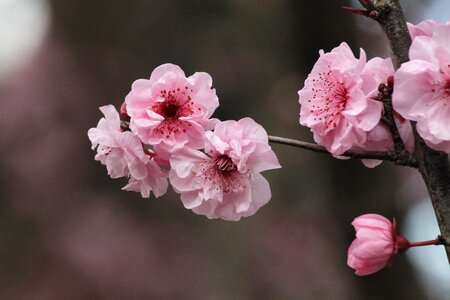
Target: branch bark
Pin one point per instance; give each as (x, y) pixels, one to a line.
(403, 159)
(434, 166)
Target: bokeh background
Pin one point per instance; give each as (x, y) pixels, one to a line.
(67, 231)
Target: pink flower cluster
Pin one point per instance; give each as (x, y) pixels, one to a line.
(214, 165)
(339, 101)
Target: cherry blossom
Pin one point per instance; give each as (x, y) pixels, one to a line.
(155, 181)
(171, 110)
(376, 72)
(422, 87)
(424, 28)
(337, 101)
(375, 245)
(123, 154)
(225, 182)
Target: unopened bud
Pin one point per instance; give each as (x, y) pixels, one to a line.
(123, 113)
(390, 81)
(382, 87)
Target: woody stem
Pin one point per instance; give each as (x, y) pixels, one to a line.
(402, 159)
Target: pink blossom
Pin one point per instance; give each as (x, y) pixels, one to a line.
(424, 28)
(155, 181)
(375, 72)
(123, 154)
(374, 247)
(336, 100)
(171, 110)
(422, 88)
(225, 182)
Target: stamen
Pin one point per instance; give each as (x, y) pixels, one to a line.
(222, 175)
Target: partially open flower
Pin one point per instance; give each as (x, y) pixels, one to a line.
(123, 155)
(376, 244)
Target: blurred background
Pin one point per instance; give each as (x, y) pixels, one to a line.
(67, 231)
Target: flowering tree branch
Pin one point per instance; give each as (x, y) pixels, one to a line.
(434, 165)
(402, 159)
(163, 133)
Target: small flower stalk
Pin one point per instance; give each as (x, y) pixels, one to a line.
(377, 244)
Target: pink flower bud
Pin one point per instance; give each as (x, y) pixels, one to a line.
(375, 245)
(123, 113)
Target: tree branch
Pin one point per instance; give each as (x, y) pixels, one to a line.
(403, 159)
(385, 97)
(389, 14)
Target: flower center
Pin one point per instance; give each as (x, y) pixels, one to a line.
(170, 110)
(177, 103)
(221, 174)
(442, 90)
(225, 165)
(330, 98)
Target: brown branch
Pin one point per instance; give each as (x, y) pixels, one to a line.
(399, 159)
(389, 14)
(385, 97)
(434, 167)
(403, 159)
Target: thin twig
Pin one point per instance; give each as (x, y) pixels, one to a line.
(399, 159)
(385, 97)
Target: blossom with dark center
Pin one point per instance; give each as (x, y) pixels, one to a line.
(170, 110)
(225, 182)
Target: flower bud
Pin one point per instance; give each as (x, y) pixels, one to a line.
(376, 244)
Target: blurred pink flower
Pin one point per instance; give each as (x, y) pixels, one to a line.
(336, 100)
(374, 246)
(171, 110)
(225, 182)
(422, 87)
(123, 154)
